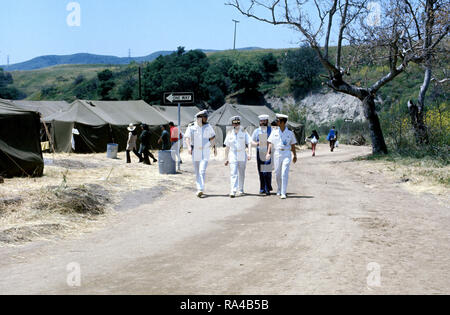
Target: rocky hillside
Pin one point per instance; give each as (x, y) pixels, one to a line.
(323, 107)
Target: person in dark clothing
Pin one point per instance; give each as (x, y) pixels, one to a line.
(314, 139)
(131, 143)
(332, 137)
(265, 167)
(165, 139)
(145, 145)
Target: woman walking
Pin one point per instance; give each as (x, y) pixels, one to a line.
(314, 139)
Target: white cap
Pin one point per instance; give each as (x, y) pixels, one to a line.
(263, 117)
(281, 116)
(202, 113)
(235, 118)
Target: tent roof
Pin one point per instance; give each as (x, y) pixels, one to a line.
(249, 115)
(171, 113)
(45, 108)
(222, 116)
(119, 113)
(9, 108)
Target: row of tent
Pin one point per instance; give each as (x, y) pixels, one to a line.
(88, 126)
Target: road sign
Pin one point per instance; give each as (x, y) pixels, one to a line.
(348, 120)
(178, 98)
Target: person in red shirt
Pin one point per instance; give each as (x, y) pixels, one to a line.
(174, 140)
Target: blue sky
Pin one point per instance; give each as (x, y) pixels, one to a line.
(31, 28)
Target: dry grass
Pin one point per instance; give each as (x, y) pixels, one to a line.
(416, 175)
(76, 194)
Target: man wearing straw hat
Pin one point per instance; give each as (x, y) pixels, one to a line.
(236, 142)
(259, 138)
(282, 141)
(200, 137)
(131, 143)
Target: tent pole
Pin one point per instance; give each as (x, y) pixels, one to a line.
(49, 136)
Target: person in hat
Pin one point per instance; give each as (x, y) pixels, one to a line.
(259, 138)
(131, 143)
(236, 142)
(145, 145)
(282, 141)
(200, 138)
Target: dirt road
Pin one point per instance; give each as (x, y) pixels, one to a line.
(338, 220)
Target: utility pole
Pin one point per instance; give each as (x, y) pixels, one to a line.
(7, 60)
(235, 27)
(140, 84)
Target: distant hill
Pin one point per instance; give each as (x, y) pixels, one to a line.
(89, 59)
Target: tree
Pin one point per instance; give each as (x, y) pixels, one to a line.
(6, 91)
(430, 25)
(269, 66)
(126, 91)
(178, 72)
(382, 40)
(106, 84)
(302, 65)
(246, 76)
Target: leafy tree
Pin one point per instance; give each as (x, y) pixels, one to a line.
(216, 96)
(126, 91)
(246, 76)
(302, 66)
(8, 92)
(178, 72)
(269, 65)
(106, 84)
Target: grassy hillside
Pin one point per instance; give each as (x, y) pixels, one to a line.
(61, 78)
(59, 82)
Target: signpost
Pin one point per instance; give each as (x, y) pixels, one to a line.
(348, 120)
(179, 98)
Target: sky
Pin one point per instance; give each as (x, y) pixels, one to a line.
(32, 28)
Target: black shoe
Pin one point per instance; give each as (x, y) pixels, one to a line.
(155, 160)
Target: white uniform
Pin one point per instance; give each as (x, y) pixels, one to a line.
(281, 145)
(237, 157)
(199, 137)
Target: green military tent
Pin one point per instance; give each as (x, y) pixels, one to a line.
(101, 122)
(60, 133)
(296, 127)
(221, 119)
(20, 148)
(187, 113)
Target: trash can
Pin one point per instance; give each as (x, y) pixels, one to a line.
(111, 150)
(166, 162)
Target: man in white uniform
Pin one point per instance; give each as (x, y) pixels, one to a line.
(200, 137)
(236, 142)
(282, 141)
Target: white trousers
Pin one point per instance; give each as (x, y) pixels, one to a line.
(282, 160)
(237, 175)
(200, 171)
(174, 149)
